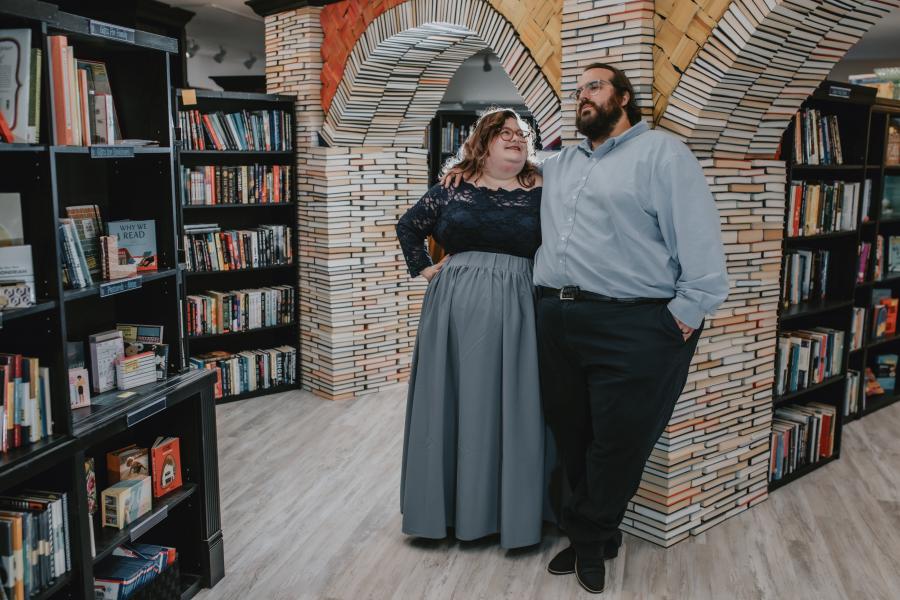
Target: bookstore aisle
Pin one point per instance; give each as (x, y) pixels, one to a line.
(312, 513)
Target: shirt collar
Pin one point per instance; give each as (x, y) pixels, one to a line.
(607, 146)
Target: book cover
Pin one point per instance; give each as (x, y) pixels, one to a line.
(11, 232)
(887, 372)
(15, 84)
(129, 462)
(138, 239)
(79, 387)
(873, 388)
(90, 483)
(123, 502)
(105, 348)
(894, 254)
(891, 305)
(166, 462)
(15, 295)
(148, 334)
(16, 267)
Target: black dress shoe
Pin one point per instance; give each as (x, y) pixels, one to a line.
(591, 575)
(564, 562)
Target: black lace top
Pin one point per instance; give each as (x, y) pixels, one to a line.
(471, 218)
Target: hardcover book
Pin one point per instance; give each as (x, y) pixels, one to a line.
(137, 240)
(16, 268)
(165, 457)
(79, 387)
(15, 84)
(125, 501)
(11, 233)
(90, 482)
(125, 463)
(105, 347)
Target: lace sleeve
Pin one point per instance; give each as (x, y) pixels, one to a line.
(416, 225)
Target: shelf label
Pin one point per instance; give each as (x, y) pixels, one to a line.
(112, 32)
(118, 286)
(112, 151)
(145, 412)
(839, 91)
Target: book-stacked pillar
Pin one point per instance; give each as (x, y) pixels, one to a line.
(723, 86)
(617, 33)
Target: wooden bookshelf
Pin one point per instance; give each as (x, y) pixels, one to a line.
(136, 183)
(863, 121)
(241, 216)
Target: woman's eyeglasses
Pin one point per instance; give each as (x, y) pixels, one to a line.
(507, 135)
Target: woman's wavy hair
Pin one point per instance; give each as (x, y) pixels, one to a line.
(472, 154)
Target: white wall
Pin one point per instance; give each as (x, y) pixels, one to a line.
(240, 32)
(471, 84)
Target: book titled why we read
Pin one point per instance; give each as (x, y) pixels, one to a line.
(137, 241)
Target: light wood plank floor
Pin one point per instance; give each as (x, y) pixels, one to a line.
(310, 499)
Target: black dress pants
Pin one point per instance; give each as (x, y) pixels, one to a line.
(611, 374)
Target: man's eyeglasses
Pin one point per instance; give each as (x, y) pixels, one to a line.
(591, 88)
(507, 135)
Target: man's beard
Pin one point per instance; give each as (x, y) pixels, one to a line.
(602, 122)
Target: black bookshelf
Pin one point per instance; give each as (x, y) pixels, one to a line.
(240, 216)
(136, 183)
(863, 123)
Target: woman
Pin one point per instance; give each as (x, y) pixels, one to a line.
(473, 453)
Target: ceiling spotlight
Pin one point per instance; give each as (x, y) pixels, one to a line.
(220, 55)
(192, 48)
(250, 61)
(487, 63)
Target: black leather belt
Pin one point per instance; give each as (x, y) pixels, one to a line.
(573, 292)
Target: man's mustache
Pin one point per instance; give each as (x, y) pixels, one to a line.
(588, 103)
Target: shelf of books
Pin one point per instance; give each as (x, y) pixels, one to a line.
(90, 319)
(239, 238)
(840, 279)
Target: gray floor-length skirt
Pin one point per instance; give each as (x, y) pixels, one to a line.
(473, 452)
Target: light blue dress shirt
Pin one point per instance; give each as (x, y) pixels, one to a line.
(633, 218)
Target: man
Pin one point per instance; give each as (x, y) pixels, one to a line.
(631, 262)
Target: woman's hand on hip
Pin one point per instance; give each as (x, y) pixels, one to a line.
(429, 272)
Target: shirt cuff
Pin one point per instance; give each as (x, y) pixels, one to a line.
(686, 311)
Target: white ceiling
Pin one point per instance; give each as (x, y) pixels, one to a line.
(230, 23)
(880, 42)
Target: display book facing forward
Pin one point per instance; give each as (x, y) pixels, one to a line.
(128, 356)
(136, 475)
(88, 255)
(20, 87)
(17, 286)
(34, 542)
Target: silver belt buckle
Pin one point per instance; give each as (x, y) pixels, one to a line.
(569, 292)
